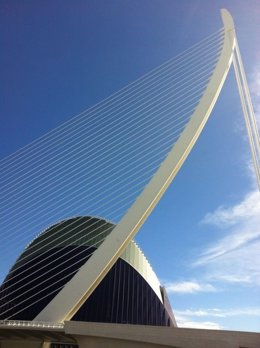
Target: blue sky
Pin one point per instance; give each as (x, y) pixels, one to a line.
(61, 57)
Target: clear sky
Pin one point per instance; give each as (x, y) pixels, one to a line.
(60, 57)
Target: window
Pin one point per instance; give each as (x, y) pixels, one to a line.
(64, 345)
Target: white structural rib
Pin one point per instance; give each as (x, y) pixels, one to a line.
(79, 288)
(248, 111)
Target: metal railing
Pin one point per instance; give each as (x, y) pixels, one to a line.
(31, 324)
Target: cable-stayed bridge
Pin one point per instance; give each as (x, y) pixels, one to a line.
(114, 161)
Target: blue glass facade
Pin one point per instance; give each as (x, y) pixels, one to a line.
(123, 296)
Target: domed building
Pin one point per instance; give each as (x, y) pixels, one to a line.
(129, 294)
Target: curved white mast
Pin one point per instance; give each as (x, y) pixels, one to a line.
(78, 289)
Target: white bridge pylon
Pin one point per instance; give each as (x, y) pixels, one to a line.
(66, 303)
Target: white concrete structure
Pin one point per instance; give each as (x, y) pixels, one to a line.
(71, 297)
(98, 335)
(42, 333)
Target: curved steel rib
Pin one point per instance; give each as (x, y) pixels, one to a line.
(79, 288)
